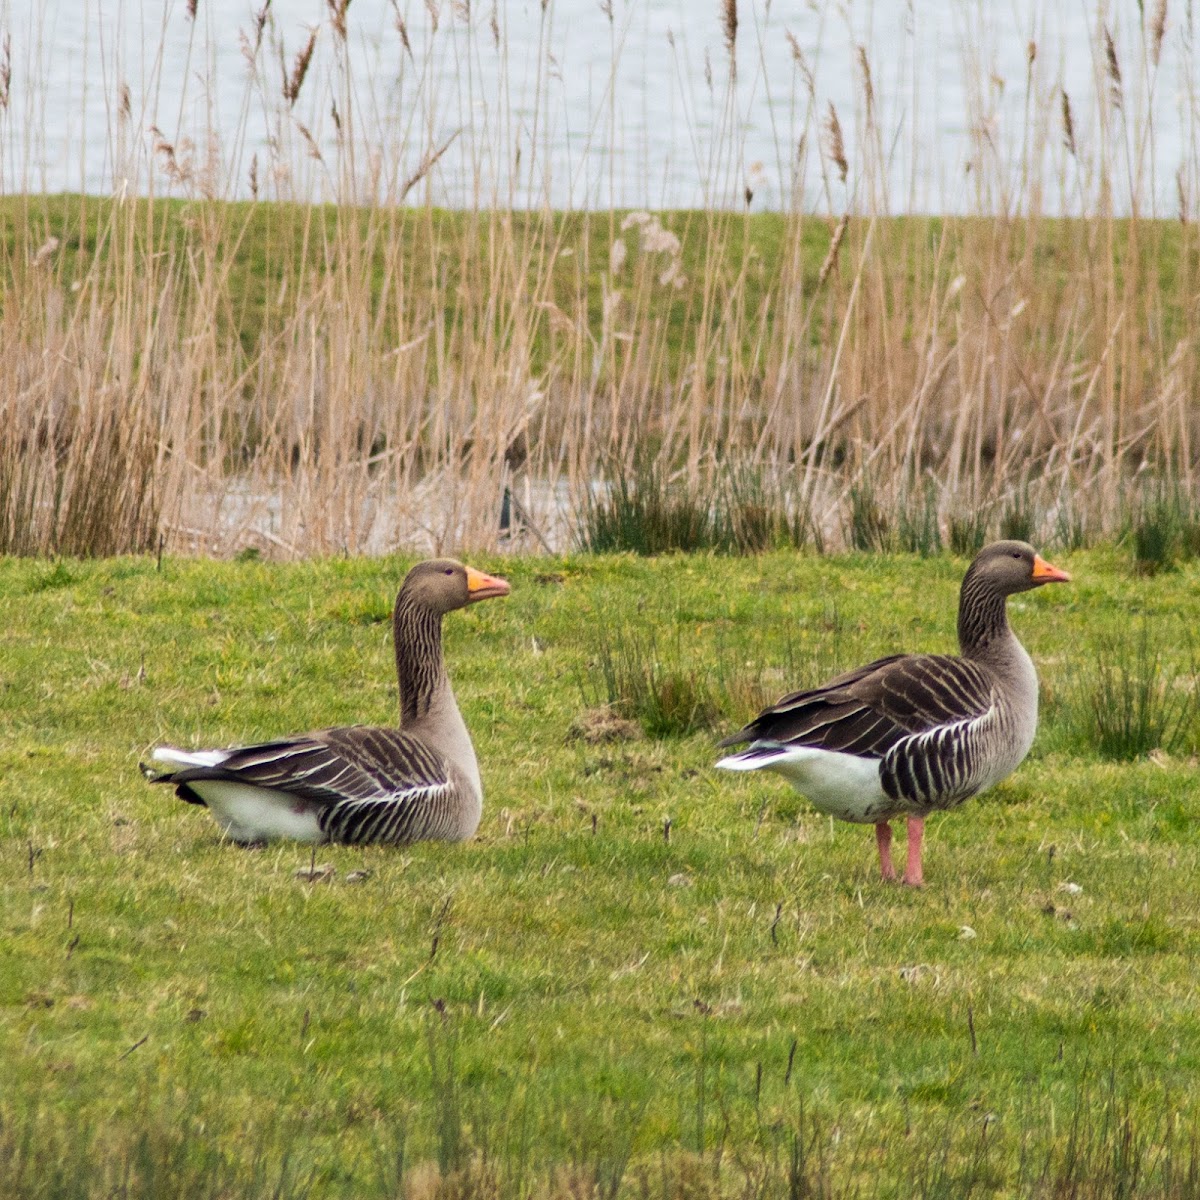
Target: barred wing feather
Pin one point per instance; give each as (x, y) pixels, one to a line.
(870, 711)
(373, 784)
(415, 814)
(942, 766)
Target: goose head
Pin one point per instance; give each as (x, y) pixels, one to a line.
(441, 585)
(1006, 568)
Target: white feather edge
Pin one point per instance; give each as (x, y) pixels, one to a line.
(175, 757)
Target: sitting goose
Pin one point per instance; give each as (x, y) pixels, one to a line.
(913, 733)
(360, 784)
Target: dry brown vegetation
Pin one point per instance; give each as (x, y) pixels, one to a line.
(206, 375)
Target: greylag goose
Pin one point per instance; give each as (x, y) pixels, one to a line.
(913, 733)
(359, 784)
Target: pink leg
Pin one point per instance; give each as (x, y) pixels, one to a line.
(913, 876)
(883, 839)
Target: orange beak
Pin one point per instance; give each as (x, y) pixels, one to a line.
(484, 587)
(1043, 572)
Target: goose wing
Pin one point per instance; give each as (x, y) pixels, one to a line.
(372, 784)
(868, 711)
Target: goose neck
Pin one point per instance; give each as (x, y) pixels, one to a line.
(420, 666)
(983, 630)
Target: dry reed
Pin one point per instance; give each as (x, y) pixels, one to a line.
(384, 373)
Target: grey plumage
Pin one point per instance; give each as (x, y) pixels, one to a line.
(361, 784)
(938, 728)
(931, 719)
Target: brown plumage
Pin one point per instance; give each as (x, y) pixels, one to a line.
(913, 733)
(357, 783)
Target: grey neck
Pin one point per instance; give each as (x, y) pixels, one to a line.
(985, 637)
(427, 704)
(983, 630)
(420, 667)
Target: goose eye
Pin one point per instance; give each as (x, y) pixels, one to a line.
(448, 571)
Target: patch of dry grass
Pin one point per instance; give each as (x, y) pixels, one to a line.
(376, 372)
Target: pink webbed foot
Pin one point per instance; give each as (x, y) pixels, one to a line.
(913, 875)
(883, 840)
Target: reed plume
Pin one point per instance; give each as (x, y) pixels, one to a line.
(835, 245)
(1158, 30)
(868, 85)
(835, 146)
(427, 163)
(1068, 124)
(802, 66)
(337, 16)
(5, 71)
(729, 25)
(259, 21)
(402, 30)
(294, 81)
(1116, 91)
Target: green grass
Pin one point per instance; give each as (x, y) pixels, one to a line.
(262, 251)
(644, 509)
(1131, 697)
(446, 257)
(581, 1000)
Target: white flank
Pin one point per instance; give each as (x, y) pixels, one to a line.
(253, 814)
(188, 758)
(842, 785)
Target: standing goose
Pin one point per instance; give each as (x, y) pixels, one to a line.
(356, 783)
(913, 733)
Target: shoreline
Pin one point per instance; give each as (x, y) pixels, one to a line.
(878, 382)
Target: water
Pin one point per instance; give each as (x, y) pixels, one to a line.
(567, 106)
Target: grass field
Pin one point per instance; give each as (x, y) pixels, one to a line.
(642, 977)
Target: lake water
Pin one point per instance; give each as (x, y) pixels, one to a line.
(569, 105)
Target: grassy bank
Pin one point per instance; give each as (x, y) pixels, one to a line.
(298, 379)
(416, 263)
(640, 977)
